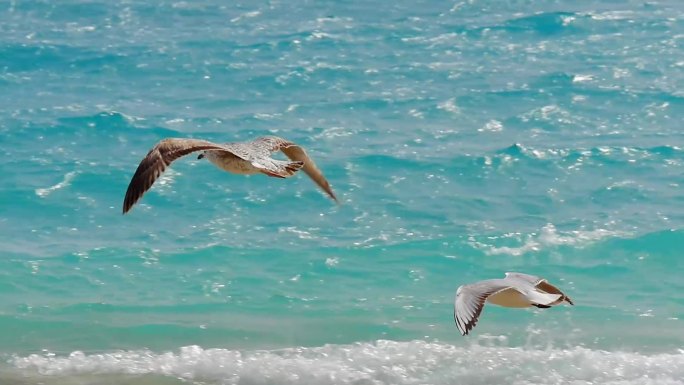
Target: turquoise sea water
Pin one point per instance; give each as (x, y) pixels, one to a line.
(464, 139)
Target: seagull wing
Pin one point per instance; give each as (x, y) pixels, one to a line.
(296, 153)
(157, 160)
(470, 300)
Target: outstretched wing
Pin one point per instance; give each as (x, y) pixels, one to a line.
(296, 153)
(470, 299)
(157, 160)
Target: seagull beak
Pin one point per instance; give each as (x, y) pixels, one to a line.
(200, 156)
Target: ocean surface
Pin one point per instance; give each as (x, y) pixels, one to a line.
(464, 139)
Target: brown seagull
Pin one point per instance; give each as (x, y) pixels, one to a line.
(240, 158)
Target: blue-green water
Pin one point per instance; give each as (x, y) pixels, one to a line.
(464, 139)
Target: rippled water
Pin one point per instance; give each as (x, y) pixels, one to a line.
(464, 140)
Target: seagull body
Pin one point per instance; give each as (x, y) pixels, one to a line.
(229, 162)
(245, 158)
(516, 290)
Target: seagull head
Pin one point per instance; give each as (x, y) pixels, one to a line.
(201, 155)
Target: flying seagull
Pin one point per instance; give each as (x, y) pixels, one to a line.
(240, 158)
(516, 290)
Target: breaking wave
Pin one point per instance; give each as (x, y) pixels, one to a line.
(379, 362)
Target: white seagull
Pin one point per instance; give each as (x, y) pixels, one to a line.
(516, 290)
(239, 158)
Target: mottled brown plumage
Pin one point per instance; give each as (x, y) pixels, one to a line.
(239, 157)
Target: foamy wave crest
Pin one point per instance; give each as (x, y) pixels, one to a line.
(380, 362)
(549, 236)
(68, 177)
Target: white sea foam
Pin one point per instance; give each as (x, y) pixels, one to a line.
(548, 236)
(68, 177)
(548, 113)
(582, 78)
(612, 15)
(380, 362)
(492, 126)
(246, 15)
(449, 105)
(301, 234)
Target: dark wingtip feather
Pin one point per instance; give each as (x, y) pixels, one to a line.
(332, 195)
(142, 180)
(155, 163)
(293, 167)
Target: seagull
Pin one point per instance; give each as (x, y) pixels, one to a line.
(244, 158)
(515, 290)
